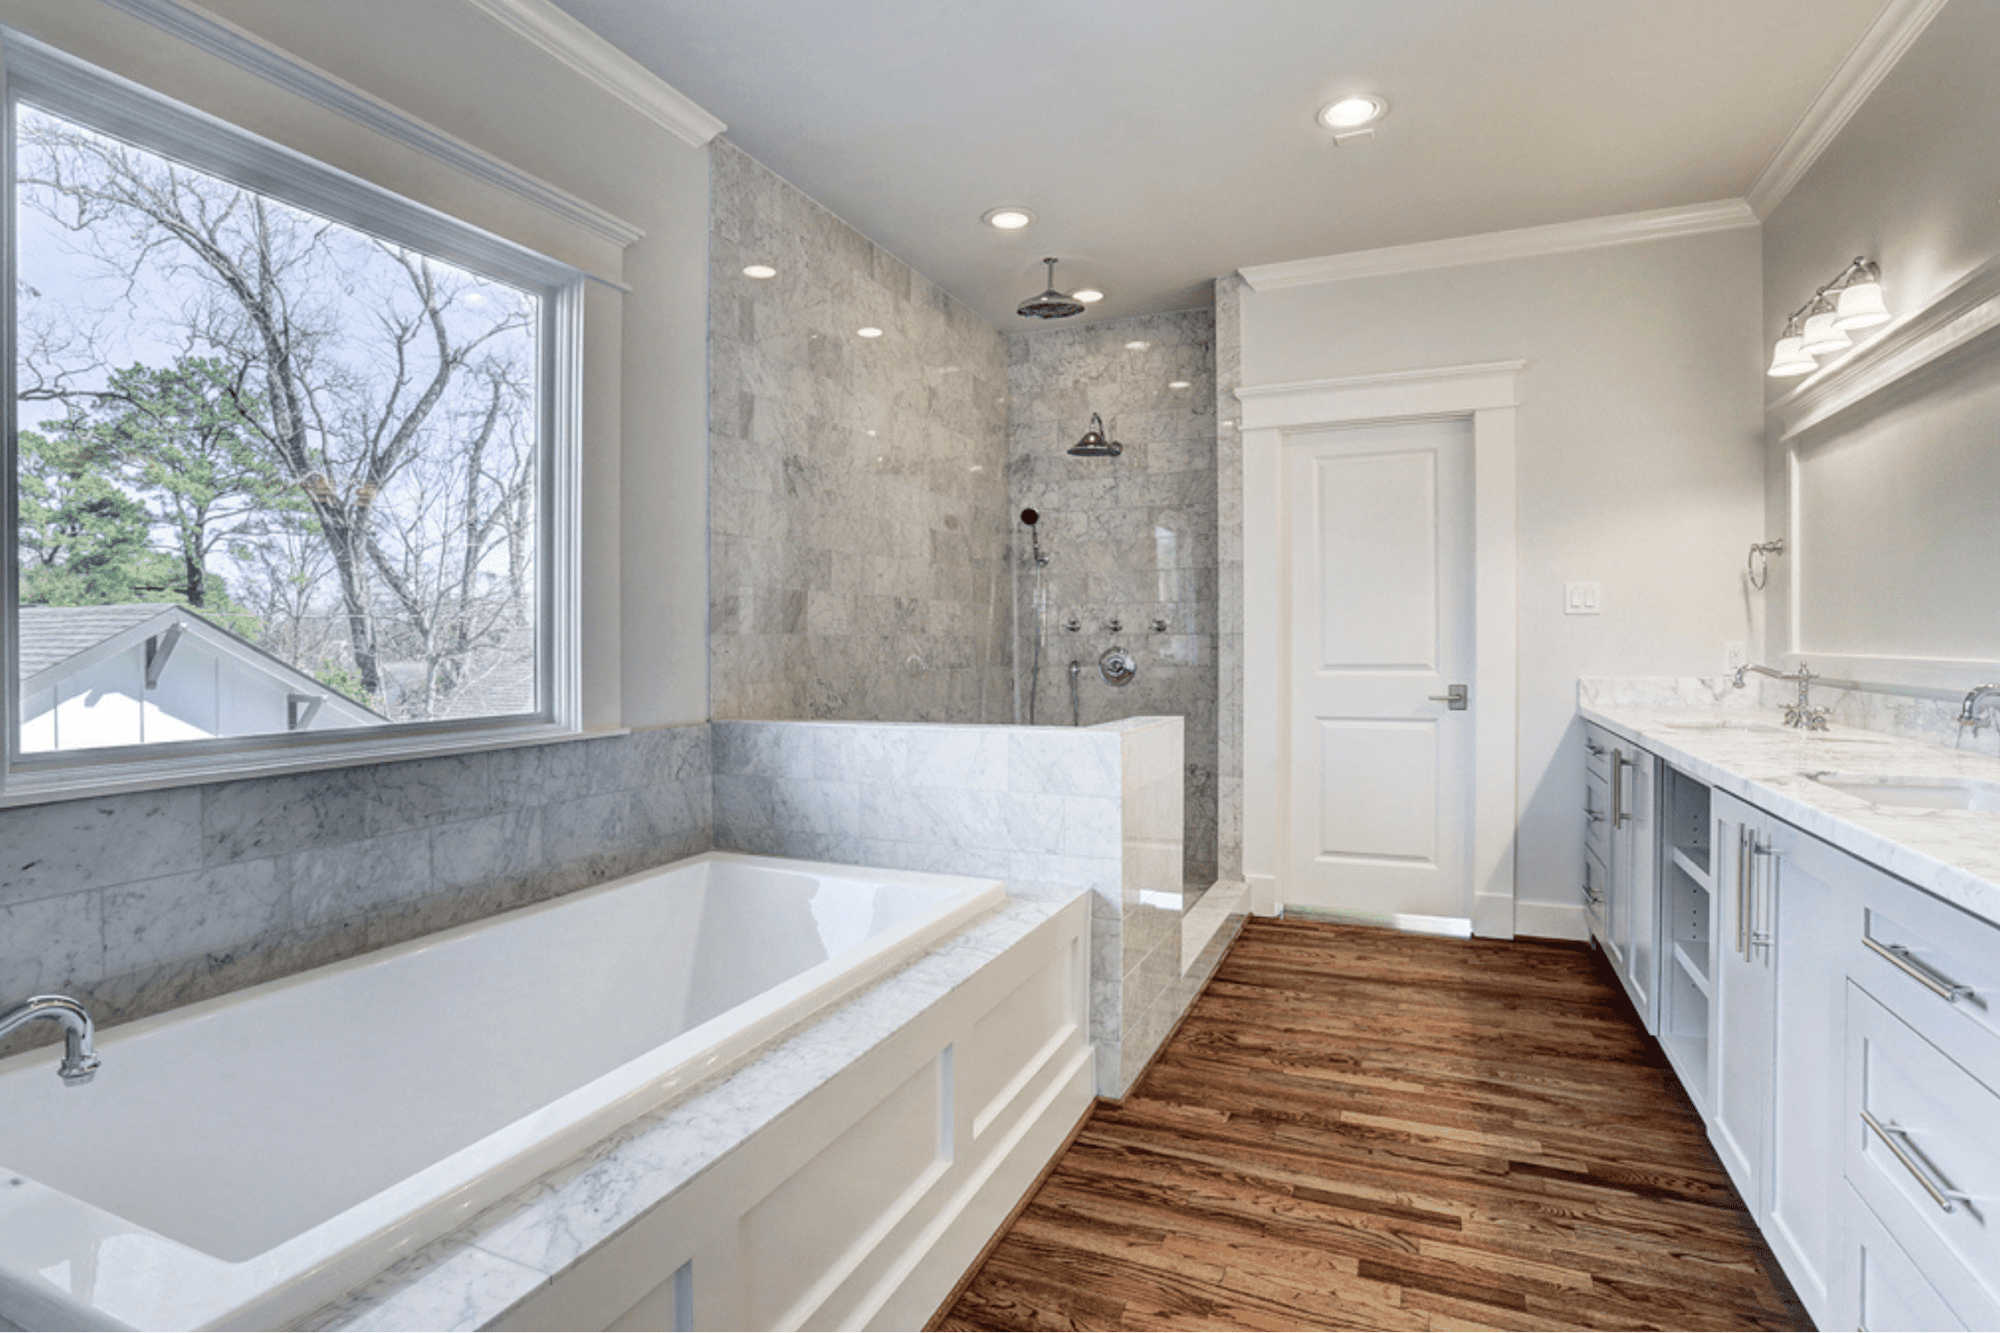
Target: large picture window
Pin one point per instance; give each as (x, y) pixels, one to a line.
(282, 449)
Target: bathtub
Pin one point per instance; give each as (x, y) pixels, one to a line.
(238, 1163)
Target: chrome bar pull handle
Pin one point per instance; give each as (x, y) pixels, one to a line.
(1951, 992)
(1764, 907)
(1897, 1140)
(1617, 787)
(1742, 892)
(1453, 698)
(1595, 816)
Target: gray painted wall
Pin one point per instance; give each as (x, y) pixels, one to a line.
(1899, 499)
(1639, 468)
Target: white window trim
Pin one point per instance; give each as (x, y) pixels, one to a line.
(71, 87)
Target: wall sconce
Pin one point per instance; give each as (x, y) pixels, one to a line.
(1853, 300)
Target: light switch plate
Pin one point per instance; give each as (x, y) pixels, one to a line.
(1580, 599)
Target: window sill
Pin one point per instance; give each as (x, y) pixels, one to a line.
(46, 786)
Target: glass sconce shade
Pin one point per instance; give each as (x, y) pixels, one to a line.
(1790, 359)
(1861, 307)
(1823, 336)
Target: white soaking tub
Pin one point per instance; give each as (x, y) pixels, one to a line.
(239, 1162)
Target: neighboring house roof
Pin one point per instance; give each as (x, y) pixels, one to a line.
(53, 634)
(59, 641)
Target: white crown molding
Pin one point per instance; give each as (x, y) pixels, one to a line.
(1970, 310)
(1488, 247)
(557, 34)
(218, 37)
(1899, 25)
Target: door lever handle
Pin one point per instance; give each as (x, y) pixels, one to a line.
(1454, 698)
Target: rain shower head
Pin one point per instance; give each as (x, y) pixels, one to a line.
(1030, 517)
(1051, 304)
(1094, 444)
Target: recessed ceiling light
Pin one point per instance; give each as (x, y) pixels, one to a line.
(1351, 113)
(870, 332)
(759, 271)
(1008, 218)
(1138, 345)
(1179, 384)
(1088, 295)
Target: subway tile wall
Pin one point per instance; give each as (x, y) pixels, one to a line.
(141, 902)
(857, 486)
(1131, 539)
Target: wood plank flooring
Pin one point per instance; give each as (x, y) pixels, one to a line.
(1357, 1129)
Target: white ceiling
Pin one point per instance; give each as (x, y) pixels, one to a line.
(1166, 142)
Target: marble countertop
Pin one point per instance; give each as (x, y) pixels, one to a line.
(474, 1275)
(1954, 854)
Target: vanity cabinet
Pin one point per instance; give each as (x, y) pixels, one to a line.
(1839, 1031)
(1744, 997)
(1621, 863)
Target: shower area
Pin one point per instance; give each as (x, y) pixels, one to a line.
(869, 558)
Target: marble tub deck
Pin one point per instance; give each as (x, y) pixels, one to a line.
(475, 1274)
(1954, 854)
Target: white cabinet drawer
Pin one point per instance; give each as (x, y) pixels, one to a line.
(1597, 816)
(1596, 887)
(1923, 1152)
(1925, 959)
(1884, 1288)
(1597, 745)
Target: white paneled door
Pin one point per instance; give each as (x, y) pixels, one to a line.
(1382, 598)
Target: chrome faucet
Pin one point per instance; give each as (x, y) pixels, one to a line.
(1801, 714)
(1968, 713)
(80, 1062)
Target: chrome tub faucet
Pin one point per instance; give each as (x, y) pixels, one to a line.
(1800, 714)
(79, 1062)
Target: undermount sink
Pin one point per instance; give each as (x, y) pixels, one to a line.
(1730, 724)
(1924, 793)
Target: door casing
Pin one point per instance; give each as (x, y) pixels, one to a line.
(1487, 394)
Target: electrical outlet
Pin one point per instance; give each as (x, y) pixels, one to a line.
(1581, 599)
(1734, 655)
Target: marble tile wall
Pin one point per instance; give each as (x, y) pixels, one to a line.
(857, 486)
(1131, 538)
(1096, 808)
(1229, 565)
(142, 902)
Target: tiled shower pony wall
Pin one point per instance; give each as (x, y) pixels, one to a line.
(1130, 539)
(141, 902)
(1097, 807)
(857, 486)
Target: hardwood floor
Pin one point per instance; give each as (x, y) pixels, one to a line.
(1360, 1129)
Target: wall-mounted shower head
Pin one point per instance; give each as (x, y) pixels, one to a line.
(1094, 443)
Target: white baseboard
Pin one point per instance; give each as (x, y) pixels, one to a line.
(1550, 921)
(1263, 894)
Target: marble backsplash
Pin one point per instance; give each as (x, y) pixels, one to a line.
(141, 902)
(857, 486)
(1130, 539)
(1918, 718)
